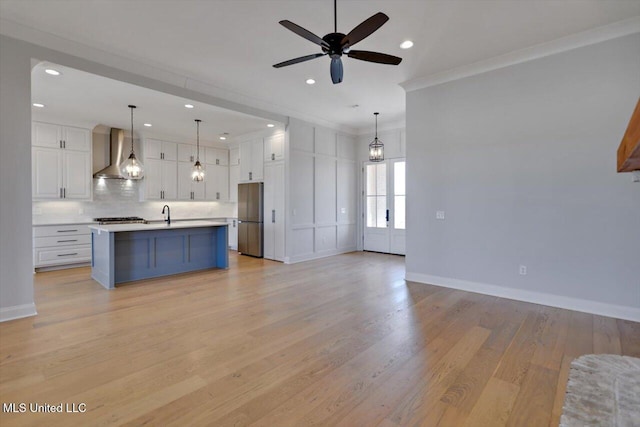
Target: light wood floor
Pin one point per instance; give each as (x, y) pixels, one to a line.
(342, 341)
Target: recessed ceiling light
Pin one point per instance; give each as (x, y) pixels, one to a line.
(36, 104)
(311, 82)
(223, 138)
(188, 106)
(52, 72)
(270, 125)
(406, 44)
(148, 125)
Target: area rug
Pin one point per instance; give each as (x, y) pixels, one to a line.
(603, 390)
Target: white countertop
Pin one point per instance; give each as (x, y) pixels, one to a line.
(115, 228)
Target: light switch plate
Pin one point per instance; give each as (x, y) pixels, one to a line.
(439, 214)
(343, 210)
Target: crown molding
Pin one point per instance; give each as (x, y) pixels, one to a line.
(574, 41)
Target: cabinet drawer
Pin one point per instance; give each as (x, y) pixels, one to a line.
(58, 256)
(62, 240)
(61, 230)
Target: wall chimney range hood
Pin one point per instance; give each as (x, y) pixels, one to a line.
(117, 150)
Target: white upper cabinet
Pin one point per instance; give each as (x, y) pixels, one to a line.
(57, 136)
(234, 156)
(161, 150)
(251, 160)
(187, 153)
(61, 162)
(216, 156)
(188, 189)
(274, 147)
(161, 176)
(217, 174)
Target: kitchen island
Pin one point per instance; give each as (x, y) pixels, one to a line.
(127, 252)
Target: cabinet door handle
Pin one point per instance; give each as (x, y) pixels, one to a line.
(162, 194)
(217, 161)
(66, 231)
(250, 176)
(60, 143)
(64, 193)
(64, 144)
(67, 241)
(191, 158)
(234, 223)
(61, 192)
(273, 156)
(217, 195)
(273, 215)
(71, 254)
(387, 215)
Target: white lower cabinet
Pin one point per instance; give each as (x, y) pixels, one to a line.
(233, 233)
(59, 245)
(274, 211)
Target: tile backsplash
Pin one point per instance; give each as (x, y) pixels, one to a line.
(119, 197)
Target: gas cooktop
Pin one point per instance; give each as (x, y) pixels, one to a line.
(120, 220)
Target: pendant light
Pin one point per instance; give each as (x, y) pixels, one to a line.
(197, 171)
(376, 148)
(132, 168)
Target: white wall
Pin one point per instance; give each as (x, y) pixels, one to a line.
(16, 261)
(322, 185)
(523, 162)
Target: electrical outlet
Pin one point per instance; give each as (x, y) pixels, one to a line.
(439, 214)
(343, 210)
(523, 270)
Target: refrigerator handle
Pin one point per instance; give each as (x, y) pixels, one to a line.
(273, 215)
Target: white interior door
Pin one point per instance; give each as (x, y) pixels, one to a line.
(384, 206)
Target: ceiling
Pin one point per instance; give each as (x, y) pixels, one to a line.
(91, 100)
(232, 45)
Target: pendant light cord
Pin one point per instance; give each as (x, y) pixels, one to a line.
(198, 140)
(335, 16)
(132, 107)
(376, 114)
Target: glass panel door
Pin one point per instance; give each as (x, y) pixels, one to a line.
(384, 206)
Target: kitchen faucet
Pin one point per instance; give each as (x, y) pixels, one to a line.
(168, 218)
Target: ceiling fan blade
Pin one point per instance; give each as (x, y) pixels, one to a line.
(336, 70)
(300, 59)
(302, 32)
(365, 29)
(380, 58)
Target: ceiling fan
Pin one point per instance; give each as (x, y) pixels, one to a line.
(336, 44)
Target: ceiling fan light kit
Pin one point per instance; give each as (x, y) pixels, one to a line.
(337, 44)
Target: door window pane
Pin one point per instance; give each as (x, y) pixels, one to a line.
(399, 213)
(376, 195)
(381, 214)
(371, 211)
(399, 199)
(399, 178)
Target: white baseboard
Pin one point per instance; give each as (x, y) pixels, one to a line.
(569, 303)
(317, 255)
(17, 312)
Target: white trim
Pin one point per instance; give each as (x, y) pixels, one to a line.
(318, 255)
(574, 41)
(17, 312)
(569, 303)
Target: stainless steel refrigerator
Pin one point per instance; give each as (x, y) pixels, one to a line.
(250, 227)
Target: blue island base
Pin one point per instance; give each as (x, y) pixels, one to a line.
(119, 257)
